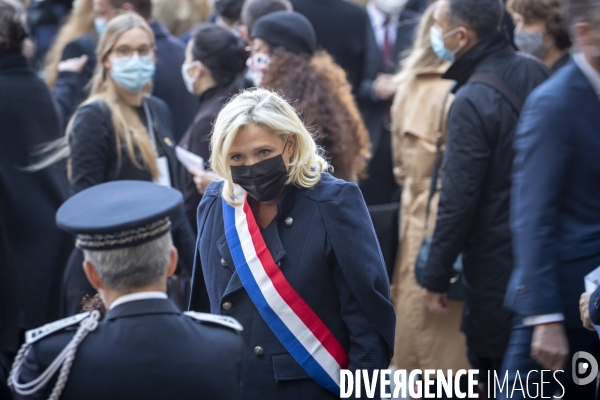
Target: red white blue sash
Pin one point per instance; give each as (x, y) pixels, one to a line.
(290, 318)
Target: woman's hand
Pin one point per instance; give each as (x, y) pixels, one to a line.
(73, 64)
(202, 178)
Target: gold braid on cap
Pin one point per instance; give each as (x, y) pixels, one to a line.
(100, 241)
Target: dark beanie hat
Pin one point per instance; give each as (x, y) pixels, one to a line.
(290, 30)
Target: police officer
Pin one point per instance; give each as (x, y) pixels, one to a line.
(144, 347)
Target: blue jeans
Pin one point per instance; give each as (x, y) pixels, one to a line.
(518, 358)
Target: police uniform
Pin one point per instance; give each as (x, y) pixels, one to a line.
(323, 241)
(144, 347)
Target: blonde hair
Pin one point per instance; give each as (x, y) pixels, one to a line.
(266, 109)
(79, 22)
(422, 55)
(127, 125)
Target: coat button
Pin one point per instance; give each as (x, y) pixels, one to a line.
(227, 305)
(289, 221)
(259, 351)
(223, 263)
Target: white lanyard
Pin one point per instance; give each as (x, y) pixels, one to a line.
(164, 177)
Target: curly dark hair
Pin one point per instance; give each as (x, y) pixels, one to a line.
(321, 94)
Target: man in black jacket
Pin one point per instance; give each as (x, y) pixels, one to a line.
(473, 216)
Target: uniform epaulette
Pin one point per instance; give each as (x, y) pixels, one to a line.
(216, 319)
(34, 335)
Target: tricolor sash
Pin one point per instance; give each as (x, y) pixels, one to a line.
(290, 318)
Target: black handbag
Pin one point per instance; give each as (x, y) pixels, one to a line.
(456, 290)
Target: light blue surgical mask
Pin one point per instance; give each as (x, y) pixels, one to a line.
(100, 24)
(438, 46)
(132, 73)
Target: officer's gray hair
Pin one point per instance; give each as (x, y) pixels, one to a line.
(132, 267)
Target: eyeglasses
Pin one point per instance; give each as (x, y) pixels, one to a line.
(126, 51)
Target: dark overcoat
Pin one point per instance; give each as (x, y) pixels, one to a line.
(473, 213)
(33, 252)
(144, 349)
(324, 241)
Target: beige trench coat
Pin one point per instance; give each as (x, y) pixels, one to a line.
(423, 340)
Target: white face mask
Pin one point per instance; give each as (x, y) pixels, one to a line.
(257, 64)
(391, 6)
(189, 81)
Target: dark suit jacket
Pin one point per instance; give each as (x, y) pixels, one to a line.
(33, 251)
(168, 82)
(380, 186)
(555, 208)
(341, 29)
(144, 349)
(330, 255)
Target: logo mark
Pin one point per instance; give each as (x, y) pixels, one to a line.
(590, 367)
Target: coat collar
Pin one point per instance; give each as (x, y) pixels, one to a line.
(10, 60)
(492, 47)
(142, 307)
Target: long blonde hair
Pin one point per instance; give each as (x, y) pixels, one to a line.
(422, 55)
(267, 109)
(127, 125)
(79, 22)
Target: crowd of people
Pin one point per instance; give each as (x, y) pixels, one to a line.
(240, 198)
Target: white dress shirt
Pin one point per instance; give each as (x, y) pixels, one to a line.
(137, 296)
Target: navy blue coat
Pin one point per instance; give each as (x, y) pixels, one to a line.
(330, 256)
(555, 210)
(144, 349)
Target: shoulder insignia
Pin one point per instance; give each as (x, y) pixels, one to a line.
(216, 319)
(36, 334)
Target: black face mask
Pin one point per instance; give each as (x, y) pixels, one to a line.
(264, 180)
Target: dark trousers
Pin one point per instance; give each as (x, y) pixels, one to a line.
(518, 359)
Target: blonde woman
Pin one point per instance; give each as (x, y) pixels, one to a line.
(423, 340)
(121, 132)
(290, 252)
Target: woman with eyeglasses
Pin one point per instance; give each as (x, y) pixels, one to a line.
(121, 132)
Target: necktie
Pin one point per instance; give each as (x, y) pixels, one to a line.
(386, 48)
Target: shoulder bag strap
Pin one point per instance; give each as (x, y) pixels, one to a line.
(515, 101)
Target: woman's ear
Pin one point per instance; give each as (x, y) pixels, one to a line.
(291, 145)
